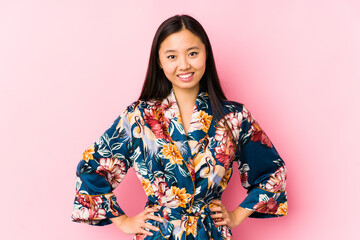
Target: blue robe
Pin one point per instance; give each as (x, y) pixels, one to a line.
(181, 173)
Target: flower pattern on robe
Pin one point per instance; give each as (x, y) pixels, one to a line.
(112, 169)
(181, 173)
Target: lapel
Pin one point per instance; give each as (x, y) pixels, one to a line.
(200, 123)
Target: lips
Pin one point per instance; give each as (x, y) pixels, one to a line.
(186, 75)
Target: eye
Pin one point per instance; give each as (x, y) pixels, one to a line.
(193, 54)
(171, 56)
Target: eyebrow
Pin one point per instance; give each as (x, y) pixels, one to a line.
(170, 50)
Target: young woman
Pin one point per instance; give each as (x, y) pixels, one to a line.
(181, 137)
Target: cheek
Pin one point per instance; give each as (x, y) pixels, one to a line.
(200, 64)
(169, 69)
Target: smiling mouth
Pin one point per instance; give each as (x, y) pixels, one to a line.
(185, 76)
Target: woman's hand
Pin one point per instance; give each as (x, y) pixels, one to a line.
(136, 224)
(224, 217)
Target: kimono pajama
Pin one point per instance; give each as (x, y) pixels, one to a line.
(181, 173)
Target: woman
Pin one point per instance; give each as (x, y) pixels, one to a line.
(181, 137)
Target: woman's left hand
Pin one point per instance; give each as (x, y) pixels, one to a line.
(222, 216)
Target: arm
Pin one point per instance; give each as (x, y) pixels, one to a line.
(100, 171)
(262, 173)
(229, 218)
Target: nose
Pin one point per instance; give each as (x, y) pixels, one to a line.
(184, 63)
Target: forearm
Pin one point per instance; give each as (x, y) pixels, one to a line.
(118, 220)
(240, 214)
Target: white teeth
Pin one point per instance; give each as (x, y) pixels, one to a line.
(186, 76)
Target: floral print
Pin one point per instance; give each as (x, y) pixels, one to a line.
(267, 206)
(160, 188)
(201, 120)
(181, 173)
(277, 181)
(87, 155)
(180, 196)
(282, 209)
(112, 169)
(172, 153)
(147, 186)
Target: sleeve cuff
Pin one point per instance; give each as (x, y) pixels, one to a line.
(265, 204)
(95, 209)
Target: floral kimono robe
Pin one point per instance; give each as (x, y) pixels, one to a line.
(181, 173)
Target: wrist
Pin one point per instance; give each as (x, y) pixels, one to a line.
(240, 214)
(119, 220)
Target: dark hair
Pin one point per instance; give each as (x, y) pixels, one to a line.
(157, 86)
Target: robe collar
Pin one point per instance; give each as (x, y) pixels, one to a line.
(201, 120)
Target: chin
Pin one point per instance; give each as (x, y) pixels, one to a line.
(189, 85)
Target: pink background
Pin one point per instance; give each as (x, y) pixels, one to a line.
(68, 68)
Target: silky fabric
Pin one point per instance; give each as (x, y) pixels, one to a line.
(181, 173)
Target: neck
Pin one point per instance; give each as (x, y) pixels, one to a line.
(186, 97)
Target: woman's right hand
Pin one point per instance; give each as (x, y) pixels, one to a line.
(136, 224)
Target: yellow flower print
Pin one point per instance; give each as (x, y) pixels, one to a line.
(191, 225)
(172, 153)
(147, 186)
(282, 209)
(88, 154)
(225, 179)
(205, 120)
(180, 196)
(202, 121)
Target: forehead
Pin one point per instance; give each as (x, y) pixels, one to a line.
(181, 41)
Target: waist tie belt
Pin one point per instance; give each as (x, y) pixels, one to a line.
(199, 224)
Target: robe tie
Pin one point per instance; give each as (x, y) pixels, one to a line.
(198, 224)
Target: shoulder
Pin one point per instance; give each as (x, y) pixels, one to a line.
(230, 106)
(141, 105)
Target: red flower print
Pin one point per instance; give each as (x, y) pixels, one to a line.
(112, 169)
(258, 135)
(85, 200)
(160, 187)
(244, 177)
(277, 181)
(94, 212)
(153, 119)
(224, 133)
(225, 153)
(232, 121)
(269, 206)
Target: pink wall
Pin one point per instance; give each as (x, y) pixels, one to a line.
(67, 69)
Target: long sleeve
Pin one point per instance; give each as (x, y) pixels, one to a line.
(101, 169)
(262, 171)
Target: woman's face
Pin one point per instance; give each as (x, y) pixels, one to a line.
(182, 56)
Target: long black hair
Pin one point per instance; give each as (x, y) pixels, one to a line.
(157, 86)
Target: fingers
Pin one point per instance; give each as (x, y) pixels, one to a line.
(217, 215)
(151, 227)
(156, 218)
(216, 206)
(221, 223)
(217, 202)
(145, 232)
(216, 209)
(221, 214)
(151, 209)
(146, 228)
(148, 214)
